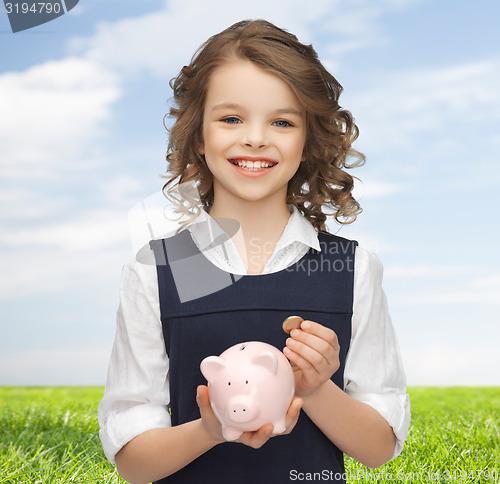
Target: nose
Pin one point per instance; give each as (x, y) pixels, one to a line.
(255, 136)
(241, 409)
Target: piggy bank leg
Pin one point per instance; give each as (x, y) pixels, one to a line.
(230, 433)
(279, 426)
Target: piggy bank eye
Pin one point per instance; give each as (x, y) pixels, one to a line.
(246, 382)
(229, 383)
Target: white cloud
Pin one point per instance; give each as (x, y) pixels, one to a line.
(368, 240)
(34, 271)
(55, 256)
(477, 288)
(428, 270)
(54, 366)
(121, 188)
(465, 296)
(487, 282)
(426, 101)
(20, 204)
(50, 112)
(358, 20)
(93, 231)
(369, 189)
(447, 364)
(162, 42)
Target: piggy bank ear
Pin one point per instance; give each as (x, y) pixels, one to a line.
(211, 366)
(267, 360)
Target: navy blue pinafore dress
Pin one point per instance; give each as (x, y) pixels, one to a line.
(205, 310)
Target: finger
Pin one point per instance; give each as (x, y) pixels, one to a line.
(299, 361)
(308, 358)
(202, 397)
(258, 438)
(201, 393)
(322, 332)
(293, 414)
(315, 343)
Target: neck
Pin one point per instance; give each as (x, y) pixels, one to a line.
(263, 219)
(261, 222)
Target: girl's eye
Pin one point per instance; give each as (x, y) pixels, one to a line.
(231, 120)
(282, 123)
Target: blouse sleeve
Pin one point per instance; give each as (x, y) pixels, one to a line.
(374, 372)
(137, 391)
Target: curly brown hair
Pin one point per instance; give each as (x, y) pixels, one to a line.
(321, 179)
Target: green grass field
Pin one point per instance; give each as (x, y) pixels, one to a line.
(50, 435)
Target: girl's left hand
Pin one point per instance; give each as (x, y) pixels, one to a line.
(314, 352)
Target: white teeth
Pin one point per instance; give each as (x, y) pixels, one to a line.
(253, 165)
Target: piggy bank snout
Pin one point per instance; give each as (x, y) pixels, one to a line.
(241, 409)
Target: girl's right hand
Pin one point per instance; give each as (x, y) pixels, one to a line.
(254, 439)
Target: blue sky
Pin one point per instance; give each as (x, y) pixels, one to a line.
(81, 141)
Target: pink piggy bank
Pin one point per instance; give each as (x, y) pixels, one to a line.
(250, 384)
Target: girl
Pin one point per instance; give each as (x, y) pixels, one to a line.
(260, 133)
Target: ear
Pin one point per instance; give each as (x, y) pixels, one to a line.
(211, 366)
(267, 360)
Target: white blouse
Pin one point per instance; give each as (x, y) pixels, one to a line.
(137, 387)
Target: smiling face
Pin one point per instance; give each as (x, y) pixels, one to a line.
(253, 134)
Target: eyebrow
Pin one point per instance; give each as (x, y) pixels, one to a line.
(287, 110)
